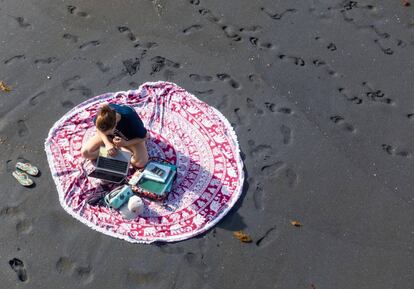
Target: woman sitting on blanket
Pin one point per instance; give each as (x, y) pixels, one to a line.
(118, 126)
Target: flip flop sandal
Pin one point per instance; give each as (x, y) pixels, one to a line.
(28, 168)
(22, 178)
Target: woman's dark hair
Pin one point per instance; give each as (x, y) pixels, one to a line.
(106, 118)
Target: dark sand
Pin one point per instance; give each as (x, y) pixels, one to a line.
(320, 93)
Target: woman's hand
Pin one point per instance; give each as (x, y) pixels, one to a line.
(119, 142)
(111, 149)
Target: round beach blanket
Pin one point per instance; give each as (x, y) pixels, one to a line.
(194, 136)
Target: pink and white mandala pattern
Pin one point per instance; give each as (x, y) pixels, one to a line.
(185, 131)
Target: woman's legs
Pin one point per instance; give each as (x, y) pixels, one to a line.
(139, 155)
(90, 150)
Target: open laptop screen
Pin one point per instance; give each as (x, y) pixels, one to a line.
(112, 164)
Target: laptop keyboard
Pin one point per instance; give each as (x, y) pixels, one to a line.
(114, 165)
(106, 176)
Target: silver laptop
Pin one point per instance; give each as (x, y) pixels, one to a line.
(111, 169)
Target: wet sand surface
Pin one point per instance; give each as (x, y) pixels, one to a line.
(319, 92)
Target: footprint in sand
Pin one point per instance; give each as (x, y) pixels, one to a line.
(209, 15)
(200, 78)
(159, 63)
(84, 273)
(206, 92)
(284, 110)
(288, 175)
(34, 100)
(72, 38)
(353, 99)
(258, 196)
(223, 102)
(382, 35)
(261, 152)
(259, 44)
(272, 169)
(131, 65)
(79, 58)
(147, 45)
(67, 104)
(23, 227)
(239, 118)
(396, 152)
(251, 105)
(125, 30)
(291, 177)
(401, 43)
(256, 79)
(14, 58)
(340, 121)
(278, 16)
(22, 129)
(227, 78)
(9, 166)
(13, 212)
(22, 22)
(320, 63)
(190, 258)
(102, 67)
(345, 16)
(73, 10)
(88, 44)
(48, 60)
(385, 50)
(66, 266)
(231, 33)
(286, 134)
(85, 91)
(194, 2)
(251, 29)
(68, 82)
(269, 237)
(376, 95)
(195, 261)
(330, 46)
(292, 59)
(18, 266)
(192, 29)
(272, 108)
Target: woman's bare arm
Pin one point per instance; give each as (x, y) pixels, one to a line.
(104, 138)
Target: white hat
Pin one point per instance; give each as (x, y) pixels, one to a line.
(133, 208)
